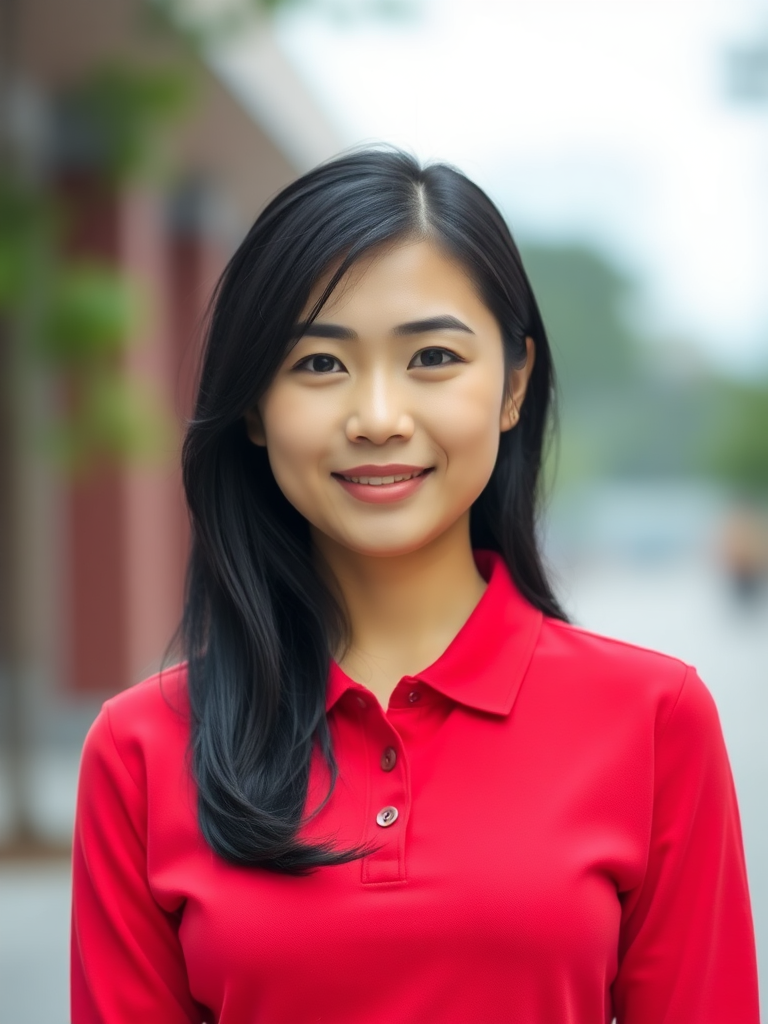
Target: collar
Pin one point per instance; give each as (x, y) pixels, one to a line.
(484, 665)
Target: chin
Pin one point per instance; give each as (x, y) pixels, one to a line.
(392, 546)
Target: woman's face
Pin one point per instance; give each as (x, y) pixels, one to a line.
(382, 425)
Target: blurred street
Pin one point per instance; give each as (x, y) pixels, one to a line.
(682, 606)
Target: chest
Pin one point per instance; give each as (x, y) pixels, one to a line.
(492, 844)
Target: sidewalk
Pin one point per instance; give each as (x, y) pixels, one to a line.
(34, 943)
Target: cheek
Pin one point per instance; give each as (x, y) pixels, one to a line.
(295, 445)
(469, 433)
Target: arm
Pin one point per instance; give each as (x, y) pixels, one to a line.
(127, 963)
(687, 952)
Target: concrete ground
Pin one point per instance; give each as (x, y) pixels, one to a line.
(34, 943)
(681, 607)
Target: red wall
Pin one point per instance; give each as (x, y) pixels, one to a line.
(126, 531)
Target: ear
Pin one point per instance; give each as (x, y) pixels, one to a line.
(517, 385)
(255, 427)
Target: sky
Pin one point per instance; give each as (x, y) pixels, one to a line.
(605, 122)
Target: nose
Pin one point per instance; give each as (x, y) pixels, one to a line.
(379, 412)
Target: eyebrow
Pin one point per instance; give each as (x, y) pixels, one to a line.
(433, 323)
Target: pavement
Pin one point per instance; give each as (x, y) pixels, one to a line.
(683, 607)
(34, 943)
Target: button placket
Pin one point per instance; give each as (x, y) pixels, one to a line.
(388, 800)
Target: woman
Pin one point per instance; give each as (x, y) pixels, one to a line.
(391, 783)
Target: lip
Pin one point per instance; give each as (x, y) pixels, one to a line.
(377, 494)
(388, 469)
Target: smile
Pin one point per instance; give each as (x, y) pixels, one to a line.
(390, 484)
(377, 481)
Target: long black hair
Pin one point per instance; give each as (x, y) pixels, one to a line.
(259, 625)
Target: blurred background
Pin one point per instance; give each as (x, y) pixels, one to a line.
(626, 143)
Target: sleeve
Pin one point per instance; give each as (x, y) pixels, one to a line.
(127, 965)
(687, 950)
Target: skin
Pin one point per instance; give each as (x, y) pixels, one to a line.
(383, 394)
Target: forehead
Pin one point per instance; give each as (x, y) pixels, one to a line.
(404, 275)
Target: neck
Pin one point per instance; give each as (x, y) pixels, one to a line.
(403, 610)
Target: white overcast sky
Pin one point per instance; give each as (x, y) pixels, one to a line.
(605, 121)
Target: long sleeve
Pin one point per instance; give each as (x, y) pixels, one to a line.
(687, 952)
(127, 964)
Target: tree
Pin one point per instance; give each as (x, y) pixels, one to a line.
(582, 298)
(738, 450)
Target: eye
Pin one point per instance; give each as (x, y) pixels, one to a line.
(320, 363)
(434, 357)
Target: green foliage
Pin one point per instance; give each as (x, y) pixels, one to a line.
(92, 312)
(24, 220)
(582, 299)
(739, 451)
(113, 417)
(618, 417)
(122, 112)
(78, 317)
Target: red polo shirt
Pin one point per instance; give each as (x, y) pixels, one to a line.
(559, 844)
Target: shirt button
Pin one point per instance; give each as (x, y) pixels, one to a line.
(387, 816)
(389, 759)
(361, 702)
(414, 695)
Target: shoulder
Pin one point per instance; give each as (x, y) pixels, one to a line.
(161, 694)
(607, 669)
(628, 690)
(151, 708)
(148, 722)
(593, 652)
